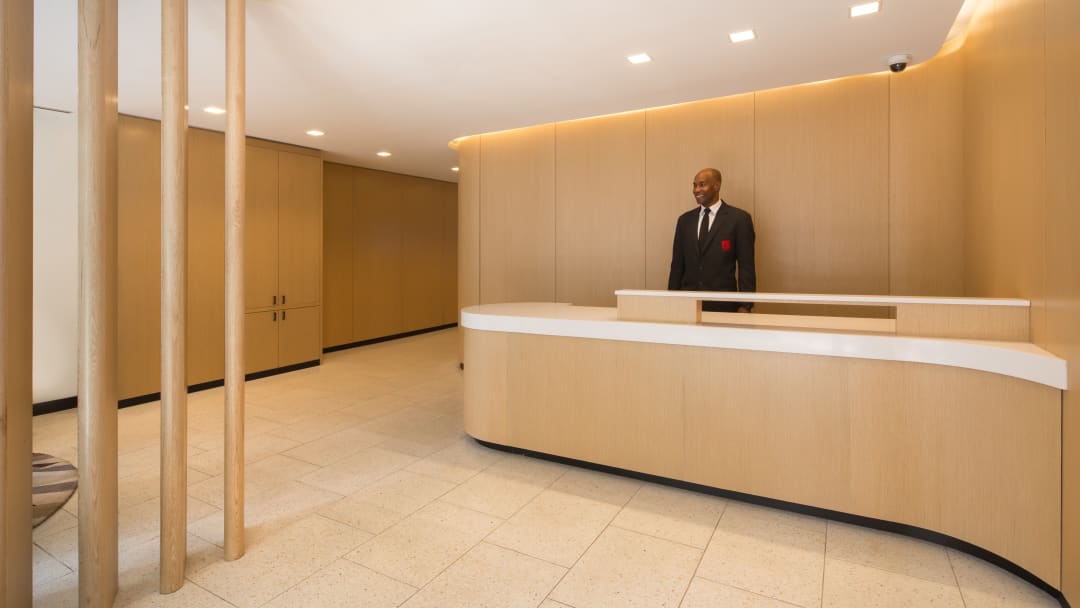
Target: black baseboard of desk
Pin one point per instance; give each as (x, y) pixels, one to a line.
(68, 403)
(408, 334)
(847, 518)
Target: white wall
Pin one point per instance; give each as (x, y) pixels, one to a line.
(56, 267)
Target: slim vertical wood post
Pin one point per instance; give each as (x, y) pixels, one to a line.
(97, 303)
(234, 279)
(173, 294)
(16, 296)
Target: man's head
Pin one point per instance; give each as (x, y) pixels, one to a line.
(707, 187)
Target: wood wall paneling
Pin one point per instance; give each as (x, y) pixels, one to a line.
(299, 241)
(1006, 155)
(926, 189)
(337, 299)
(599, 208)
(979, 55)
(821, 187)
(261, 340)
(378, 266)
(1062, 252)
(448, 267)
(468, 221)
(139, 248)
(517, 223)
(138, 224)
(298, 335)
(679, 141)
(206, 256)
(421, 221)
(261, 229)
(1019, 156)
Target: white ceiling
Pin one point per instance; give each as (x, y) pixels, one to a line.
(410, 76)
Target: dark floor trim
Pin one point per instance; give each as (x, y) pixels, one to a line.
(417, 332)
(281, 370)
(68, 403)
(848, 518)
(56, 405)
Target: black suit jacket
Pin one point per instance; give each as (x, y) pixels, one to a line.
(730, 244)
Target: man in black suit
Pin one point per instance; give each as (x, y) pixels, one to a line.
(710, 242)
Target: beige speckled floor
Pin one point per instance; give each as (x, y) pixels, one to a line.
(363, 490)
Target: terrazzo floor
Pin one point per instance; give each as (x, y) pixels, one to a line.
(363, 490)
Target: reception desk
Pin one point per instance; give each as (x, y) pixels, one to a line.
(941, 416)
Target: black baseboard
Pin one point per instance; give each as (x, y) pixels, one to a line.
(417, 332)
(279, 370)
(56, 405)
(67, 403)
(847, 518)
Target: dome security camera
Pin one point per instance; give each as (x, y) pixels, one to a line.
(898, 63)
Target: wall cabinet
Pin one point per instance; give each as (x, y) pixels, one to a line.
(283, 248)
(282, 337)
(283, 229)
(282, 258)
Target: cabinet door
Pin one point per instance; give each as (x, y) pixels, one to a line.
(261, 341)
(300, 228)
(261, 229)
(299, 335)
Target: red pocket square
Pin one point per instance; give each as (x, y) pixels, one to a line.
(725, 245)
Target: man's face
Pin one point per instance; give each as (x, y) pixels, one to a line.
(706, 188)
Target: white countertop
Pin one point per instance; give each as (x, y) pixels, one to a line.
(1016, 359)
(819, 298)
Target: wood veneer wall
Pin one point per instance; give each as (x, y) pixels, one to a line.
(964, 184)
(389, 254)
(139, 250)
(844, 194)
(1022, 146)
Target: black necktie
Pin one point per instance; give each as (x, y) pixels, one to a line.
(703, 229)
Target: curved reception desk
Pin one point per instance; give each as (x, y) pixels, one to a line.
(942, 417)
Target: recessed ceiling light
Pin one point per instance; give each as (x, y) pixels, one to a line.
(213, 110)
(315, 133)
(639, 58)
(383, 154)
(742, 36)
(865, 9)
(455, 169)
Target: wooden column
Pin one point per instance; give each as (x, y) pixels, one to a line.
(173, 293)
(234, 279)
(16, 296)
(97, 303)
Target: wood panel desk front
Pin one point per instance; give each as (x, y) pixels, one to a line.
(956, 436)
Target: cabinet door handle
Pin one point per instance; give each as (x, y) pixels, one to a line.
(283, 312)
(275, 315)
(275, 301)
(282, 299)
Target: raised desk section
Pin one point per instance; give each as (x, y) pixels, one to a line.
(958, 436)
